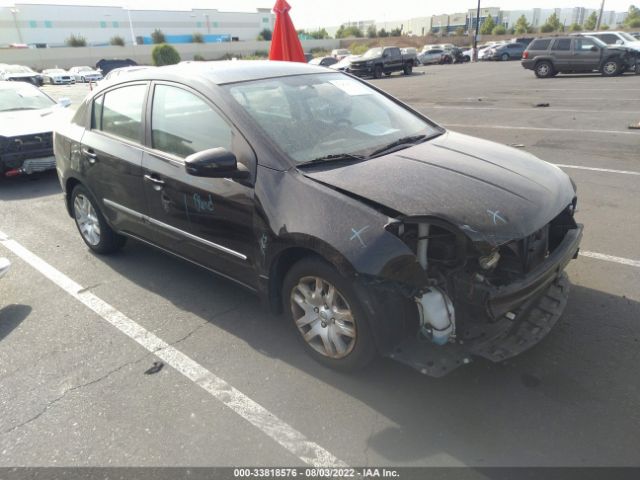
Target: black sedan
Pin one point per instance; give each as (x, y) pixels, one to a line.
(374, 229)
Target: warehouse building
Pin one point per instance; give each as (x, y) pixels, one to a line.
(52, 25)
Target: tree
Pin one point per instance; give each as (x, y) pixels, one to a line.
(460, 31)
(546, 28)
(604, 27)
(383, 33)
(522, 26)
(320, 34)
(265, 34)
(117, 41)
(157, 36)
(575, 27)
(633, 17)
(346, 32)
(164, 54)
(591, 22)
(396, 32)
(498, 30)
(197, 37)
(76, 41)
(487, 26)
(554, 23)
(372, 32)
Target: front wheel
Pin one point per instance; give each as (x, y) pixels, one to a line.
(325, 310)
(377, 71)
(93, 227)
(504, 57)
(611, 68)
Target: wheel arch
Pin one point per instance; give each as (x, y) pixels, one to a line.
(69, 185)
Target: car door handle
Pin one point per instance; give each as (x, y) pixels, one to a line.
(157, 183)
(91, 155)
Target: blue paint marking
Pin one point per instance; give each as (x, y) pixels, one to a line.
(356, 234)
(496, 216)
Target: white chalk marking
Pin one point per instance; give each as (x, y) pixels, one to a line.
(288, 437)
(594, 169)
(611, 258)
(541, 129)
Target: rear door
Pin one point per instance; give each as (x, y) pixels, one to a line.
(586, 54)
(562, 54)
(206, 220)
(393, 62)
(111, 156)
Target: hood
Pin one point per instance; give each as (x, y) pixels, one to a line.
(492, 192)
(28, 122)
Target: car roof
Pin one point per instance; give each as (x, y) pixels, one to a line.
(6, 85)
(226, 71)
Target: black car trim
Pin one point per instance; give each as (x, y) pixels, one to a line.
(158, 223)
(216, 272)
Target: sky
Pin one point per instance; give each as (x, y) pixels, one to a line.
(312, 14)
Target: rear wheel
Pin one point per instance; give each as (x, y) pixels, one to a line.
(504, 57)
(611, 68)
(93, 227)
(377, 71)
(408, 69)
(544, 70)
(325, 310)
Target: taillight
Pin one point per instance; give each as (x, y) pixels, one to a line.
(525, 55)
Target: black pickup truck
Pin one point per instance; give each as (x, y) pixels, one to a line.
(379, 60)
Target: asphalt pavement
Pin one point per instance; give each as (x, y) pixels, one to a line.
(73, 387)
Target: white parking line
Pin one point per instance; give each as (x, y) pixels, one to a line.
(291, 439)
(611, 258)
(594, 169)
(541, 129)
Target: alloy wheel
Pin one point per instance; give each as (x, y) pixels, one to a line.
(610, 67)
(323, 317)
(87, 219)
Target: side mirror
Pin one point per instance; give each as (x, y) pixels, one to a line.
(215, 163)
(594, 49)
(64, 102)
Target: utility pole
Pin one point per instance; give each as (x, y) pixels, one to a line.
(133, 37)
(600, 16)
(475, 36)
(14, 11)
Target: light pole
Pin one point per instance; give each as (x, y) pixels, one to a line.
(206, 16)
(475, 35)
(133, 36)
(600, 16)
(14, 11)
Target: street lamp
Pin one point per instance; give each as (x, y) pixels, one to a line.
(475, 35)
(133, 36)
(14, 11)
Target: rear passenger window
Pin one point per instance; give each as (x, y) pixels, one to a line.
(119, 112)
(540, 44)
(182, 123)
(562, 44)
(608, 38)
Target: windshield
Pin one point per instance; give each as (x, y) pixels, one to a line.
(314, 116)
(84, 69)
(23, 97)
(627, 37)
(372, 53)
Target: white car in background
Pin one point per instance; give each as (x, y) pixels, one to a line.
(616, 38)
(85, 74)
(340, 53)
(27, 119)
(57, 76)
(344, 64)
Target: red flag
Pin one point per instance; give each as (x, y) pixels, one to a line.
(285, 44)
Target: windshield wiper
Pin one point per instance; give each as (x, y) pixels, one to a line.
(412, 140)
(336, 157)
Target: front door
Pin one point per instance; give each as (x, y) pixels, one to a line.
(586, 54)
(206, 220)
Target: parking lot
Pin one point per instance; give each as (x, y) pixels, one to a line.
(238, 389)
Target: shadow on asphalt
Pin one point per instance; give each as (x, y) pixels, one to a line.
(538, 407)
(29, 186)
(11, 316)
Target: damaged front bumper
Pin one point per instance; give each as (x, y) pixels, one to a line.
(521, 314)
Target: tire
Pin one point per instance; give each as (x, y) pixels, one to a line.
(343, 342)
(408, 69)
(504, 57)
(377, 71)
(387, 74)
(611, 68)
(466, 58)
(91, 224)
(544, 69)
(83, 80)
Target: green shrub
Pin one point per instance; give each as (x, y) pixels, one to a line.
(358, 48)
(499, 30)
(575, 27)
(198, 58)
(546, 28)
(197, 38)
(165, 55)
(76, 41)
(117, 41)
(157, 36)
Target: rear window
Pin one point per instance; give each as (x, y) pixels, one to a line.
(562, 44)
(540, 44)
